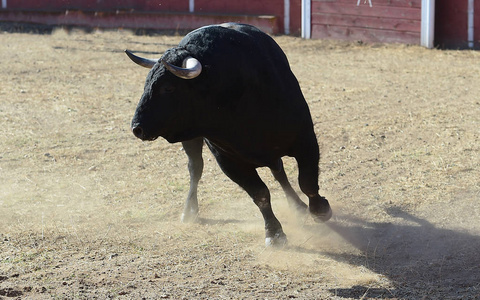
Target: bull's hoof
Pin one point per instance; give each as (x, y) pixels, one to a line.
(189, 216)
(321, 211)
(323, 217)
(279, 240)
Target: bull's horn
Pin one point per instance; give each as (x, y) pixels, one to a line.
(191, 68)
(144, 62)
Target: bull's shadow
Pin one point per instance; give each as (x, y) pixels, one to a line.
(422, 261)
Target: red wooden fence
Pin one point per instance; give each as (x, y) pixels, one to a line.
(105, 5)
(155, 14)
(390, 21)
(451, 23)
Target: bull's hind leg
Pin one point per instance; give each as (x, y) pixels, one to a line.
(193, 148)
(247, 177)
(307, 159)
(293, 200)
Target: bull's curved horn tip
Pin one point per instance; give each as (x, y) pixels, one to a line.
(144, 62)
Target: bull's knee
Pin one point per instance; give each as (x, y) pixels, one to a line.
(261, 198)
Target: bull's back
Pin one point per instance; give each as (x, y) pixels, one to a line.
(252, 87)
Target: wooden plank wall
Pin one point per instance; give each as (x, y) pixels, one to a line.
(255, 7)
(96, 5)
(208, 9)
(476, 21)
(387, 21)
(451, 24)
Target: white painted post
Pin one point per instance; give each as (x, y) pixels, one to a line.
(191, 6)
(427, 31)
(286, 18)
(470, 24)
(306, 19)
(4, 4)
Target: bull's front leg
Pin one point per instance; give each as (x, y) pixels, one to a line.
(193, 149)
(274, 235)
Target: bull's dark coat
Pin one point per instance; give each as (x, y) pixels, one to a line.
(248, 107)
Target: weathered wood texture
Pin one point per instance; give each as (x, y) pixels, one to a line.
(390, 21)
(157, 14)
(255, 7)
(137, 20)
(451, 24)
(105, 5)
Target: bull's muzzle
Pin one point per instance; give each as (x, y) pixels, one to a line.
(138, 132)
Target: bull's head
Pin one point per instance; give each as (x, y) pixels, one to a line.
(161, 110)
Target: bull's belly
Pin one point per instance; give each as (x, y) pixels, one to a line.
(253, 154)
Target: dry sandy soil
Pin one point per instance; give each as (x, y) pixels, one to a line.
(88, 211)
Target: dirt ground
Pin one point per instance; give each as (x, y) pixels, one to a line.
(87, 211)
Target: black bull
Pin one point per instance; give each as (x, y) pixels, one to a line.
(231, 86)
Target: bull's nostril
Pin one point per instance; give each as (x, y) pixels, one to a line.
(138, 131)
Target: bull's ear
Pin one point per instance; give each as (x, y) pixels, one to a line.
(144, 62)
